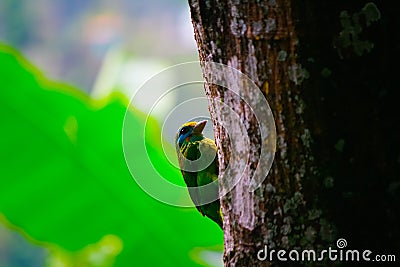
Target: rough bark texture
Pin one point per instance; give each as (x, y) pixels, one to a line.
(258, 38)
(317, 82)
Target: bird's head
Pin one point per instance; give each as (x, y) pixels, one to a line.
(190, 132)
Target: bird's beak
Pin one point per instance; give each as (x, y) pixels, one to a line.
(198, 128)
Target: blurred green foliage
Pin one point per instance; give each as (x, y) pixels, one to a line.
(64, 181)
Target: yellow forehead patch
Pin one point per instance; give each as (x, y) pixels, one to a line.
(190, 123)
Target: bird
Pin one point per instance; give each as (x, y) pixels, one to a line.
(194, 150)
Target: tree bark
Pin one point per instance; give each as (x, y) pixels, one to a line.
(258, 38)
(309, 194)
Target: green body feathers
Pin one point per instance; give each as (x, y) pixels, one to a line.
(199, 167)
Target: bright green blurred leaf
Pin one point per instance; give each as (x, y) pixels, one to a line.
(64, 181)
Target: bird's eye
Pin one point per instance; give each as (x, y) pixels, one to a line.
(183, 130)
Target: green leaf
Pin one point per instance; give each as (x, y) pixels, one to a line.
(371, 13)
(64, 181)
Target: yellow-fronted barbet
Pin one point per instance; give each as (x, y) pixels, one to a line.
(191, 147)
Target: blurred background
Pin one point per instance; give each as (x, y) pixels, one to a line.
(103, 46)
(66, 195)
(70, 40)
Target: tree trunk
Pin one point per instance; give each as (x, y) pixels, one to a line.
(293, 51)
(258, 38)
